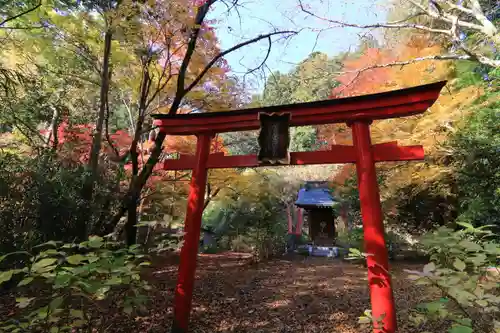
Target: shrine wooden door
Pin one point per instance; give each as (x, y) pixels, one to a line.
(322, 226)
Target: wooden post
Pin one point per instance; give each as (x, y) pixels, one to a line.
(300, 221)
(289, 219)
(192, 226)
(379, 279)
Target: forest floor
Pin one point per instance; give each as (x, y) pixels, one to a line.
(294, 294)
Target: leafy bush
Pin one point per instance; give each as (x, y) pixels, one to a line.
(210, 249)
(424, 208)
(350, 201)
(351, 238)
(241, 244)
(469, 190)
(476, 153)
(244, 225)
(355, 239)
(66, 286)
(40, 200)
(463, 268)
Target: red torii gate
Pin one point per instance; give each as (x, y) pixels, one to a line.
(358, 113)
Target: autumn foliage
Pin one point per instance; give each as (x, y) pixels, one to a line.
(357, 80)
(360, 78)
(74, 143)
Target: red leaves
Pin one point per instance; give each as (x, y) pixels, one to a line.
(74, 141)
(74, 144)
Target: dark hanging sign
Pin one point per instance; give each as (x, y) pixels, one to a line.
(274, 138)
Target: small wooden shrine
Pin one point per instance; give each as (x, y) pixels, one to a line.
(318, 203)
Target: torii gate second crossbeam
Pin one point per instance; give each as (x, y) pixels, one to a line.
(358, 113)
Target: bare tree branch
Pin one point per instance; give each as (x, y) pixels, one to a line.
(459, 7)
(27, 11)
(374, 26)
(232, 49)
(402, 63)
(447, 13)
(199, 19)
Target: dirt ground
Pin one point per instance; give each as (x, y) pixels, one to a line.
(283, 295)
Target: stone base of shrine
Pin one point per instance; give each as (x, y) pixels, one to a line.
(320, 251)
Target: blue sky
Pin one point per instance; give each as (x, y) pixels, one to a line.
(262, 16)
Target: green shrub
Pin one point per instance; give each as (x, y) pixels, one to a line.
(463, 268)
(41, 200)
(241, 244)
(244, 224)
(352, 238)
(476, 154)
(64, 287)
(210, 249)
(460, 269)
(355, 239)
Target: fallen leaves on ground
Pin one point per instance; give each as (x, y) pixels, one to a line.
(282, 295)
(292, 294)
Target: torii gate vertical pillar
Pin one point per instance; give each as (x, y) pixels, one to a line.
(382, 301)
(192, 227)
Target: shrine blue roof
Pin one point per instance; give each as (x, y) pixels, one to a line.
(318, 197)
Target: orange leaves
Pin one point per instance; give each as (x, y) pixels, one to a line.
(218, 145)
(187, 144)
(360, 78)
(180, 144)
(356, 80)
(419, 72)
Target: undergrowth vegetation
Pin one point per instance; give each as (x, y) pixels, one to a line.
(64, 287)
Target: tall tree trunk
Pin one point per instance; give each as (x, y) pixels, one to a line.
(52, 130)
(132, 218)
(88, 186)
(97, 138)
(131, 224)
(138, 183)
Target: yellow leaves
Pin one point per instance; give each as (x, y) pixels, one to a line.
(431, 127)
(429, 130)
(420, 72)
(439, 121)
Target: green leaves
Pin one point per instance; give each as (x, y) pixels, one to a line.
(115, 280)
(75, 259)
(482, 302)
(95, 242)
(56, 303)
(459, 271)
(429, 268)
(25, 281)
(459, 264)
(478, 259)
(470, 246)
(23, 302)
(62, 280)
(42, 264)
(366, 318)
(461, 329)
(49, 243)
(76, 313)
(93, 276)
(6, 276)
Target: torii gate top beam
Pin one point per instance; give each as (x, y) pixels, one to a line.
(392, 104)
